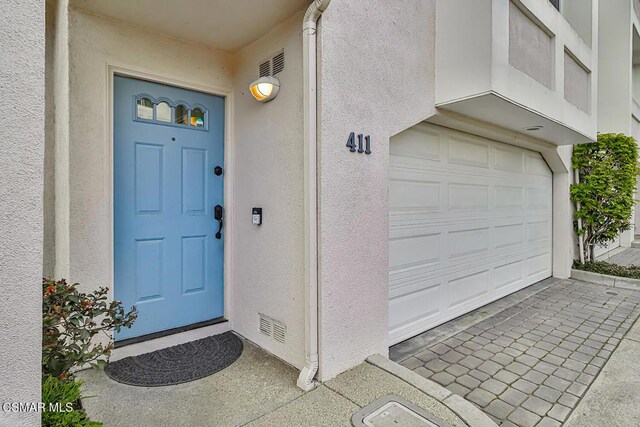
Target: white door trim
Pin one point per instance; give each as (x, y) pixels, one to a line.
(229, 157)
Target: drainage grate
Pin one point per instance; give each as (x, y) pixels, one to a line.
(394, 411)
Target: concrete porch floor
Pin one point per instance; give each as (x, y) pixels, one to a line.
(260, 390)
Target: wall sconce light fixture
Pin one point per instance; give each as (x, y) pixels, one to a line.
(265, 88)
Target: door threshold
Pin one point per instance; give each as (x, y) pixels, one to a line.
(164, 339)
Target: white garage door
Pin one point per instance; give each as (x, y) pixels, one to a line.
(469, 222)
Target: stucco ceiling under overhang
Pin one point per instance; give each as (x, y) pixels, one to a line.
(499, 111)
(224, 24)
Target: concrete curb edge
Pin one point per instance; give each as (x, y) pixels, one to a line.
(605, 279)
(469, 413)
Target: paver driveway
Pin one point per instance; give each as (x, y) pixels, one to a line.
(626, 256)
(530, 364)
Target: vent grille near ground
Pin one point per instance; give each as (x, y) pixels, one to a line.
(279, 331)
(266, 325)
(265, 69)
(272, 328)
(278, 63)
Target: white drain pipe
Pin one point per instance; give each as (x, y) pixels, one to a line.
(309, 29)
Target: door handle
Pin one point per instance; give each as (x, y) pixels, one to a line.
(218, 214)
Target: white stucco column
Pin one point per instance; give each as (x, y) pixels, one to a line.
(564, 236)
(21, 193)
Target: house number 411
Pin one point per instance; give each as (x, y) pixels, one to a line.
(362, 147)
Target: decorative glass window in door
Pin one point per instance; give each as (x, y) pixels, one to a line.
(163, 112)
(166, 112)
(182, 115)
(144, 109)
(197, 117)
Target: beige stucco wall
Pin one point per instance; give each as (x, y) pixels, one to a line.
(21, 190)
(576, 83)
(94, 43)
(83, 47)
(579, 13)
(530, 47)
(48, 255)
(268, 260)
(266, 162)
(616, 20)
(376, 78)
(614, 64)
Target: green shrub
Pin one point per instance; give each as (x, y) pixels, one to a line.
(632, 271)
(607, 169)
(70, 320)
(66, 395)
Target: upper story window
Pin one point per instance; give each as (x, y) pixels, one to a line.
(166, 112)
(555, 3)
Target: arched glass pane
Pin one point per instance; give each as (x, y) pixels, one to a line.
(182, 115)
(144, 109)
(197, 117)
(163, 112)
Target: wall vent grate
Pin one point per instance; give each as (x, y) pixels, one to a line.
(278, 62)
(272, 66)
(272, 328)
(265, 69)
(279, 331)
(266, 325)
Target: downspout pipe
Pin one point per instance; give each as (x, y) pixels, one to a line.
(309, 30)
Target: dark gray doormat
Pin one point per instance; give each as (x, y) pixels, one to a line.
(179, 364)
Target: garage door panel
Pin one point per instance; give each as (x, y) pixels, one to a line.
(508, 236)
(509, 197)
(464, 291)
(476, 225)
(538, 264)
(468, 242)
(468, 152)
(465, 197)
(535, 165)
(538, 231)
(509, 160)
(538, 198)
(406, 195)
(414, 250)
(416, 308)
(429, 149)
(509, 275)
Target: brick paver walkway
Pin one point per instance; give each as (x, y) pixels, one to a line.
(627, 257)
(530, 364)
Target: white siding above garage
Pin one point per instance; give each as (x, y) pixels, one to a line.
(470, 221)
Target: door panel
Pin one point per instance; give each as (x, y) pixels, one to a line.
(470, 221)
(166, 257)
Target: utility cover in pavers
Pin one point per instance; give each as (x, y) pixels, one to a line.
(394, 411)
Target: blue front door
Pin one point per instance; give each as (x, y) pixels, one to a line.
(168, 159)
